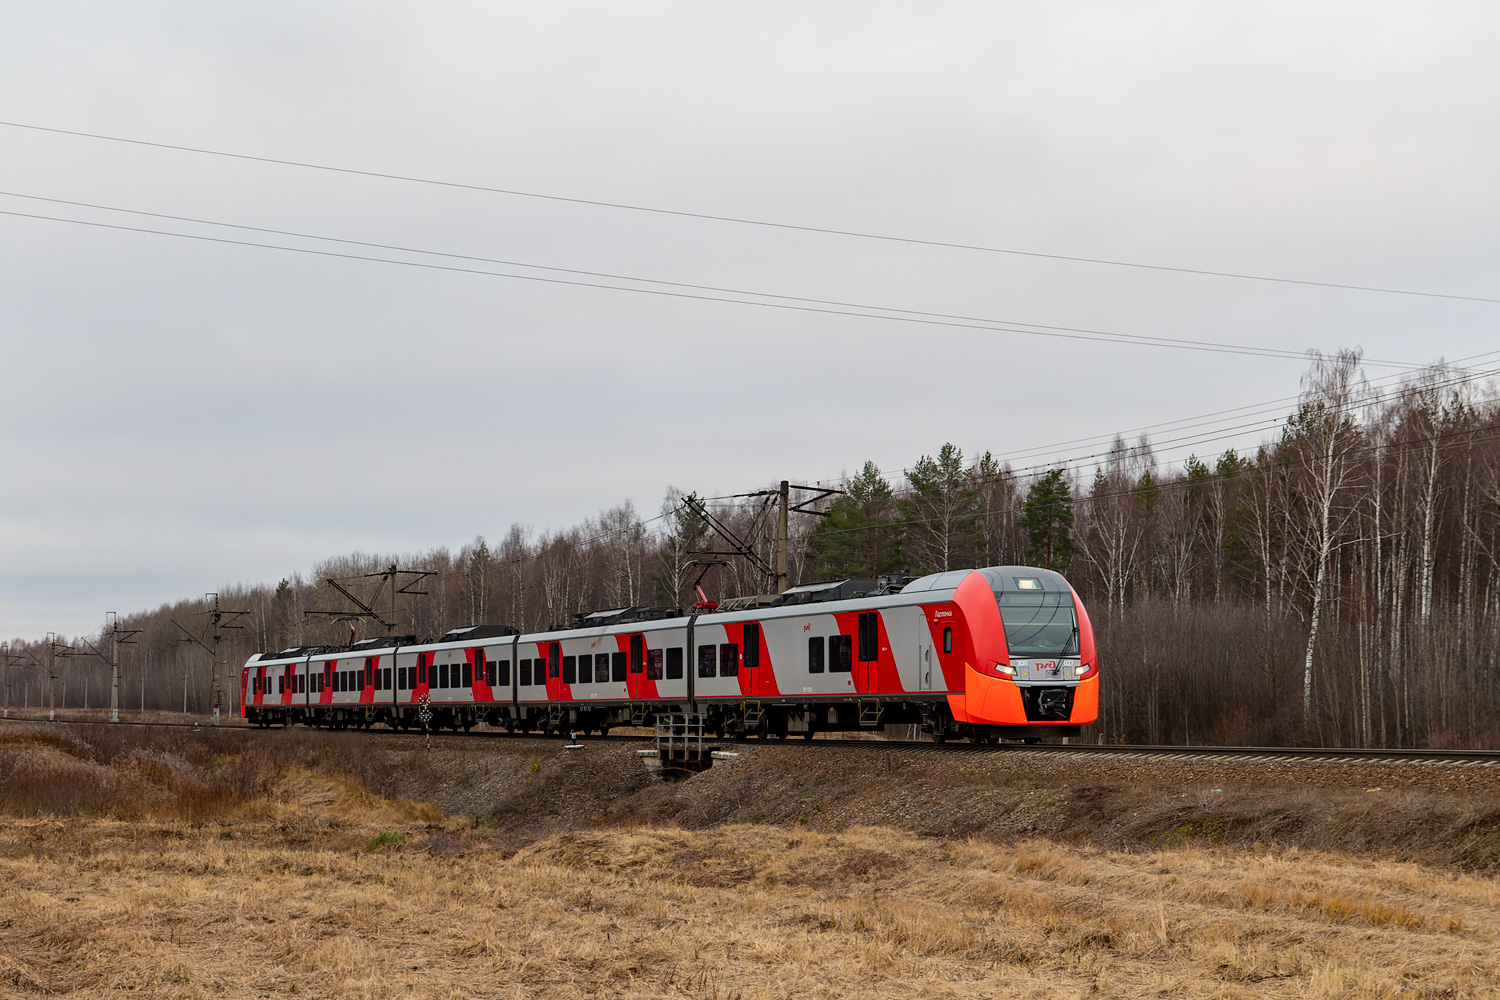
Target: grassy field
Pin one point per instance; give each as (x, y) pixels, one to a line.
(186, 873)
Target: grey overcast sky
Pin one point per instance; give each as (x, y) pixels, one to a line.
(178, 415)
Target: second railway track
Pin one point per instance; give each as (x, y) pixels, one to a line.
(1078, 751)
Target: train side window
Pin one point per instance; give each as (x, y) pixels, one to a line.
(554, 655)
(586, 669)
(752, 646)
(617, 667)
(443, 675)
(468, 674)
(947, 640)
(489, 672)
(504, 673)
(570, 670)
(674, 663)
(601, 667)
(637, 653)
(280, 685)
(524, 671)
(840, 650)
(706, 661)
(653, 664)
(869, 637)
(815, 654)
(729, 659)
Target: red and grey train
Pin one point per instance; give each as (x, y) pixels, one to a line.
(1006, 651)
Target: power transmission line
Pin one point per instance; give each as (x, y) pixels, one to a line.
(832, 308)
(761, 223)
(808, 300)
(1209, 436)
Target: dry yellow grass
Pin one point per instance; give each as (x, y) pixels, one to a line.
(286, 896)
(190, 871)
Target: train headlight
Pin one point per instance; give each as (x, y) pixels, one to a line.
(1080, 670)
(1005, 669)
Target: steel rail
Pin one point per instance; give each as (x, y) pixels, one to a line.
(1088, 751)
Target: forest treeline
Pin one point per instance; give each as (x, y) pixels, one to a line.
(1340, 585)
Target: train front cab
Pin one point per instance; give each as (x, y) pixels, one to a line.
(1032, 668)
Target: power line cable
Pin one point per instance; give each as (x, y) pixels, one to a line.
(762, 223)
(625, 277)
(797, 305)
(1079, 462)
(1478, 435)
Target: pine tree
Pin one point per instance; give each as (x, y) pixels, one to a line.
(1047, 517)
(858, 537)
(943, 511)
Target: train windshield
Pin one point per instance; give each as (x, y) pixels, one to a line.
(1039, 623)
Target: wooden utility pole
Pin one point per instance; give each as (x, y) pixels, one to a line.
(218, 620)
(7, 660)
(366, 608)
(117, 636)
(53, 649)
(776, 570)
(783, 539)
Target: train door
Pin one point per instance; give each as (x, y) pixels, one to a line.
(483, 675)
(929, 670)
(750, 659)
(867, 651)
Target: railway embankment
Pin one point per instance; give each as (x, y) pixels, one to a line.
(517, 789)
(238, 863)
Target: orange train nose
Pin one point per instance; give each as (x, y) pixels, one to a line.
(996, 701)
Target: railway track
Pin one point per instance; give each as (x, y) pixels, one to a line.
(1079, 751)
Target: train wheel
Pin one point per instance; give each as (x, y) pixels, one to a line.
(603, 730)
